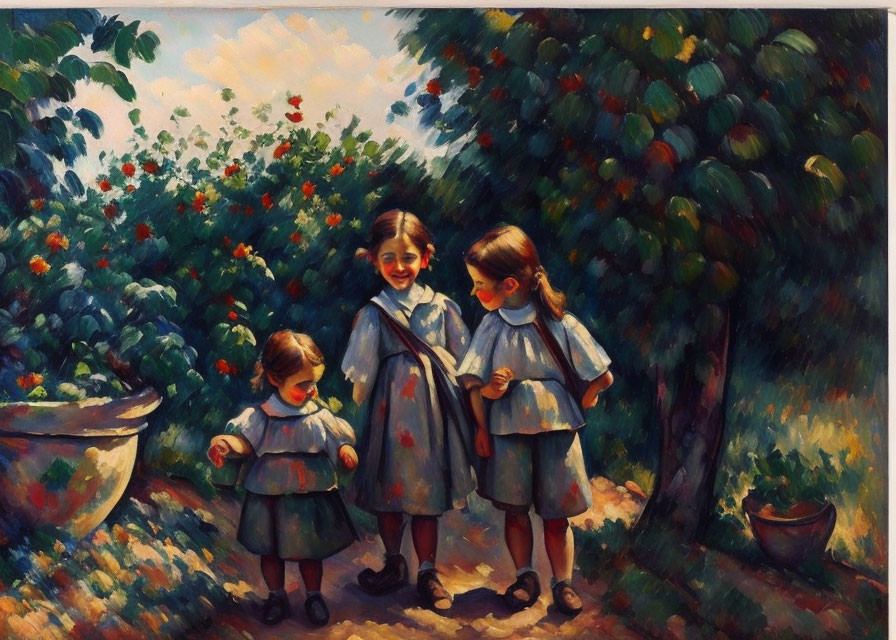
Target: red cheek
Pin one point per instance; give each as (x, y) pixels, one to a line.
(485, 296)
(298, 395)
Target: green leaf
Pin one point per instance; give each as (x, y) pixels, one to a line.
(549, 49)
(181, 112)
(716, 185)
(400, 108)
(705, 80)
(227, 94)
(745, 26)
(65, 35)
(635, 134)
(797, 40)
(662, 102)
(683, 140)
(609, 169)
(134, 116)
(73, 68)
(105, 73)
(867, 149)
(82, 370)
(745, 143)
(10, 81)
(723, 114)
(124, 42)
(370, 148)
(827, 169)
(777, 62)
(145, 46)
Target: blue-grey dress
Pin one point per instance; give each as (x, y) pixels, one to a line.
(537, 454)
(415, 454)
(293, 509)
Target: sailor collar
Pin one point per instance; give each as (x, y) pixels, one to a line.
(394, 301)
(275, 407)
(518, 317)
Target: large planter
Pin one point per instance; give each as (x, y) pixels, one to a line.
(793, 538)
(67, 464)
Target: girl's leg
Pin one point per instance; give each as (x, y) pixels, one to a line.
(518, 536)
(312, 574)
(425, 532)
(558, 542)
(273, 571)
(391, 527)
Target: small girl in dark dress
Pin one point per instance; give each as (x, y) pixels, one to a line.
(293, 509)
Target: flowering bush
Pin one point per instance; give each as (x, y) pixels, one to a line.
(186, 255)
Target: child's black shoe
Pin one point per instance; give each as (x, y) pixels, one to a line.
(317, 610)
(566, 599)
(524, 592)
(276, 608)
(432, 592)
(392, 576)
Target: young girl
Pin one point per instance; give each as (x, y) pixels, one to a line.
(417, 449)
(534, 449)
(292, 510)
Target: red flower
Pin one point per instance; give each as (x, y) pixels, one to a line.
(295, 237)
(499, 93)
(497, 58)
(38, 265)
(143, 232)
(349, 160)
(863, 82)
(150, 167)
(37, 204)
(228, 299)
(102, 263)
(295, 102)
(130, 188)
(434, 87)
(105, 185)
(128, 169)
(29, 380)
(308, 189)
(181, 207)
(625, 187)
(223, 367)
(266, 201)
(56, 241)
(485, 140)
(568, 144)
(234, 208)
(295, 288)
(229, 170)
(336, 169)
(249, 210)
(110, 210)
(838, 72)
(226, 241)
(333, 220)
(453, 51)
(198, 201)
(241, 251)
(282, 148)
(232, 315)
(571, 83)
(372, 174)
(295, 117)
(474, 77)
(193, 273)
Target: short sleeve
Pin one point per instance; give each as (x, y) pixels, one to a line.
(249, 424)
(588, 358)
(362, 356)
(457, 336)
(339, 432)
(477, 361)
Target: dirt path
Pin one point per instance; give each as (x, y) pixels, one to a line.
(474, 565)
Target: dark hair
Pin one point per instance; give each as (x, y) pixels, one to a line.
(284, 354)
(393, 224)
(507, 252)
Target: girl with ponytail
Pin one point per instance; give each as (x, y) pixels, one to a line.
(527, 356)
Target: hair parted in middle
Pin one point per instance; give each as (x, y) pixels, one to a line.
(284, 354)
(393, 224)
(507, 252)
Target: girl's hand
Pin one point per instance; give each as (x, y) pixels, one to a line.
(499, 383)
(218, 450)
(348, 456)
(589, 400)
(483, 444)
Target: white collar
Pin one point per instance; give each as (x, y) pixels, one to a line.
(275, 407)
(517, 317)
(400, 303)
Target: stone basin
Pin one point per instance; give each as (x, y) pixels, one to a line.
(67, 464)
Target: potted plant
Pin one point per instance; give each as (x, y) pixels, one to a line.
(788, 507)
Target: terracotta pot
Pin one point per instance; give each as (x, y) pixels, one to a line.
(791, 539)
(67, 464)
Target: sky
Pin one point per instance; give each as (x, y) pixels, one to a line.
(345, 58)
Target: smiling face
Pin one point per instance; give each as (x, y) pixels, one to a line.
(300, 386)
(399, 261)
(492, 294)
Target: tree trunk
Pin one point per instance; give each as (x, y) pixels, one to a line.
(690, 406)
